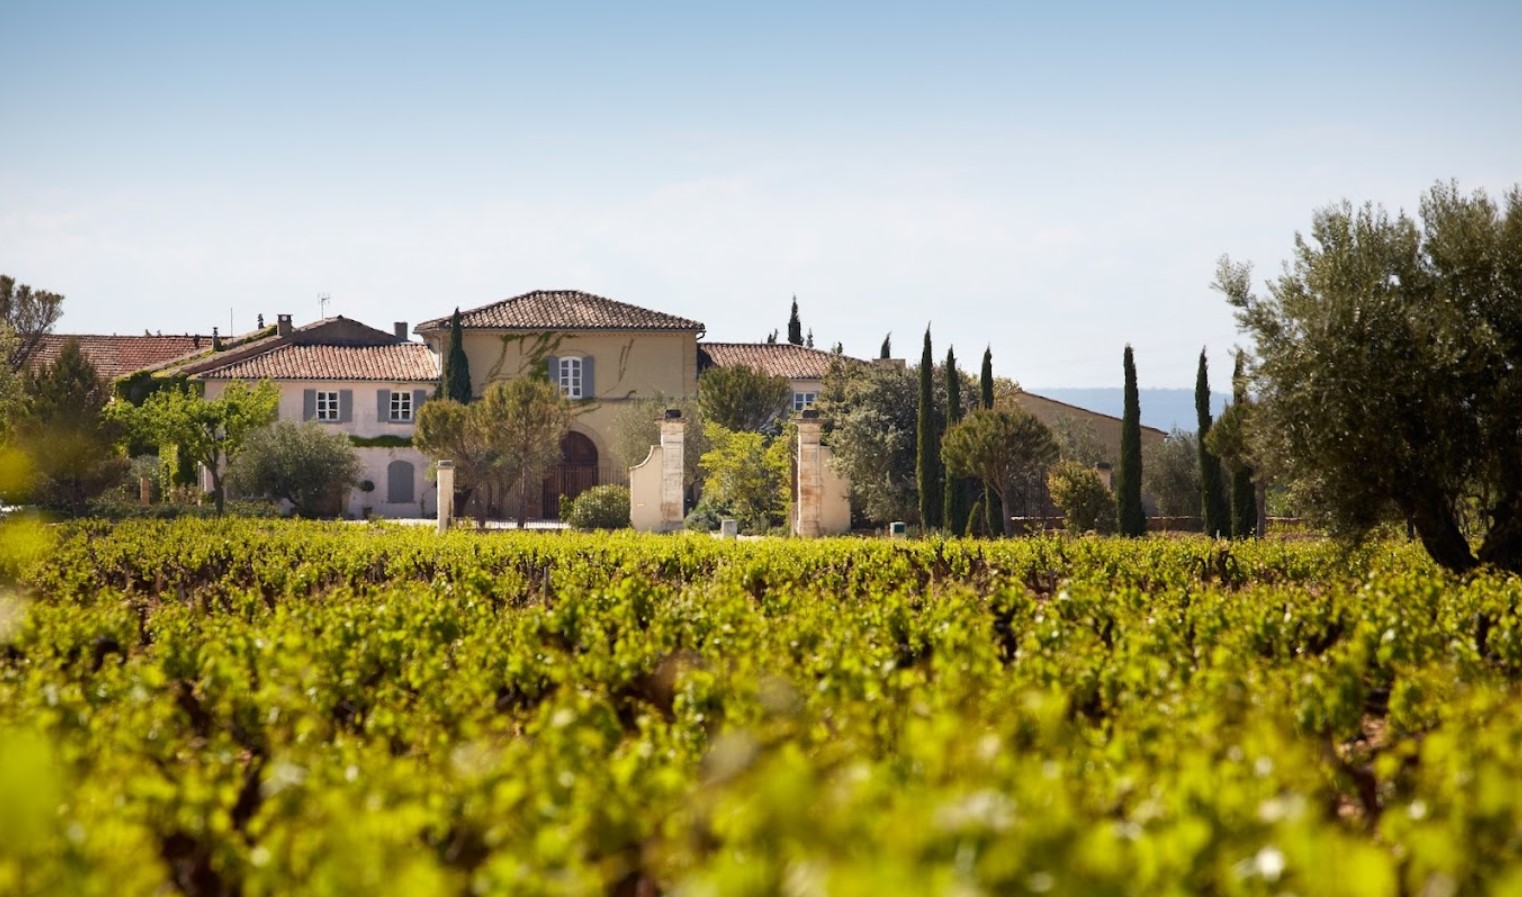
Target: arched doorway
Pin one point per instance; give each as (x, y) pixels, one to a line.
(575, 474)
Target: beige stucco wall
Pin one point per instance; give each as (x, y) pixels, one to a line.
(645, 492)
(627, 366)
(364, 422)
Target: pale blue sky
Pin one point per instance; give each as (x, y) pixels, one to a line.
(1055, 181)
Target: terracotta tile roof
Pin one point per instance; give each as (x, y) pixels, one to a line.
(114, 356)
(562, 310)
(399, 362)
(776, 359)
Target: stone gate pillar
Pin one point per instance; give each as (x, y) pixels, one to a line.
(673, 477)
(808, 506)
(446, 493)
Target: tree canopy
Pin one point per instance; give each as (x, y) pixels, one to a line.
(744, 399)
(29, 314)
(310, 465)
(63, 430)
(209, 432)
(1388, 376)
(1002, 448)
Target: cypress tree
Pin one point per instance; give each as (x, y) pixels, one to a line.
(455, 383)
(986, 382)
(954, 510)
(808, 341)
(927, 472)
(795, 326)
(1132, 517)
(887, 350)
(1213, 504)
(1244, 495)
(986, 395)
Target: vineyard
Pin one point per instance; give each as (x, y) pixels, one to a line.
(268, 707)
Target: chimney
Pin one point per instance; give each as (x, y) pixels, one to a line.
(400, 328)
(282, 325)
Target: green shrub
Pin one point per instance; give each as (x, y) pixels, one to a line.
(1081, 493)
(601, 507)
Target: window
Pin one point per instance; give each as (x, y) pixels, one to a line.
(802, 400)
(327, 405)
(401, 405)
(570, 378)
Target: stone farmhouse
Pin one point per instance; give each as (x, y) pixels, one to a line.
(369, 383)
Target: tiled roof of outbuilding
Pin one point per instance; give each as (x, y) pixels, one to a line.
(114, 356)
(774, 359)
(562, 310)
(400, 362)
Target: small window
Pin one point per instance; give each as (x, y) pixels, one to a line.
(401, 405)
(802, 400)
(570, 378)
(327, 405)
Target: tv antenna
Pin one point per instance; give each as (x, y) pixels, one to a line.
(322, 304)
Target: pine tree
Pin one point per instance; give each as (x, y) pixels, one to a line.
(928, 441)
(887, 350)
(954, 509)
(986, 381)
(1132, 517)
(455, 383)
(64, 429)
(795, 326)
(1213, 503)
(1244, 496)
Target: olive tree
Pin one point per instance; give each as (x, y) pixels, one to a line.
(308, 464)
(1388, 371)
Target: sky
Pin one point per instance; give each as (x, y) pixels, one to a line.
(1052, 181)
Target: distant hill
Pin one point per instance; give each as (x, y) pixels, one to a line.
(1160, 408)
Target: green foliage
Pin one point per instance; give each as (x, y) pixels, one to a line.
(1086, 501)
(307, 464)
(1076, 441)
(387, 441)
(794, 325)
(743, 399)
(289, 707)
(1244, 494)
(64, 430)
(1213, 504)
(28, 315)
(954, 511)
(1002, 448)
(1128, 474)
(208, 432)
(455, 381)
(747, 476)
(1388, 379)
(986, 379)
(1171, 474)
(636, 427)
(886, 351)
(870, 412)
(929, 478)
(601, 507)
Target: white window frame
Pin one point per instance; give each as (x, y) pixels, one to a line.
(570, 377)
(401, 406)
(326, 408)
(804, 400)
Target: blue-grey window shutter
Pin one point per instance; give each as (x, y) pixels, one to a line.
(308, 404)
(419, 396)
(587, 389)
(383, 404)
(345, 405)
(554, 369)
(399, 489)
